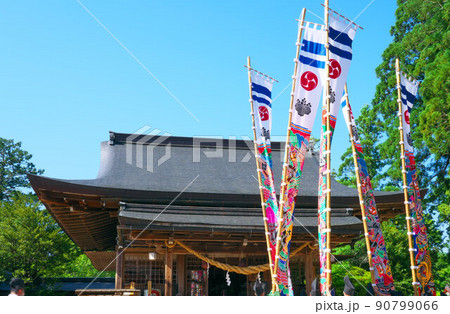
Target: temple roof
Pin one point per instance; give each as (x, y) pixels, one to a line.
(198, 177)
(138, 166)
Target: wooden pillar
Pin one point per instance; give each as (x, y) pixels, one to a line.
(300, 271)
(181, 275)
(168, 273)
(119, 269)
(309, 270)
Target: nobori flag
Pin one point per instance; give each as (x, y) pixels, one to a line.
(261, 87)
(380, 263)
(340, 40)
(408, 92)
(309, 83)
(262, 108)
(341, 35)
(420, 237)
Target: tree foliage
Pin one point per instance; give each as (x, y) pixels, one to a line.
(14, 165)
(421, 39)
(33, 246)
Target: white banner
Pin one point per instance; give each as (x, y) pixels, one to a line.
(262, 100)
(310, 79)
(309, 83)
(409, 92)
(341, 37)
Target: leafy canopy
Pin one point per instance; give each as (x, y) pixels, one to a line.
(421, 39)
(14, 165)
(33, 246)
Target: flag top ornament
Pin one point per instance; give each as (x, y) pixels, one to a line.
(260, 87)
(376, 249)
(309, 75)
(417, 232)
(339, 39)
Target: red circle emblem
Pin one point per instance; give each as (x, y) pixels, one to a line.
(407, 117)
(263, 113)
(309, 80)
(335, 69)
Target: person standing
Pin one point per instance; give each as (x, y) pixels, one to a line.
(17, 287)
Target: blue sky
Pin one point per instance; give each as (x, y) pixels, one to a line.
(65, 81)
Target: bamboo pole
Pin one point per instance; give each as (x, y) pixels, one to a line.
(327, 150)
(286, 156)
(405, 183)
(358, 184)
(261, 193)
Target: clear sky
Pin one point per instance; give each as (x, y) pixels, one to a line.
(65, 81)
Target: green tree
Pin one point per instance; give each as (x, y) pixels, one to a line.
(33, 246)
(420, 40)
(356, 268)
(14, 165)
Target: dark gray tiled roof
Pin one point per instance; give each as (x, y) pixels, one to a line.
(220, 168)
(226, 219)
(151, 167)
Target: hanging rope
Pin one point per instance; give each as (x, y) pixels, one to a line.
(249, 270)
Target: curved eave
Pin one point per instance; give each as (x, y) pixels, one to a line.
(41, 183)
(88, 212)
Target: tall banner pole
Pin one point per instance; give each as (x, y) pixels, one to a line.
(338, 55)
(405, 183)
(380, 268)
(286, 156)
(360, 194)
(423, 282)
(328, 151)
(261, 193)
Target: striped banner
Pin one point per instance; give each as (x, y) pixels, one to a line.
(262, 109)
(341, 36)
(380, 262)
(420, 238)
(309, 84)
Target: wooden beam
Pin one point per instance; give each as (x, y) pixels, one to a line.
(168, 273)
(187, 239)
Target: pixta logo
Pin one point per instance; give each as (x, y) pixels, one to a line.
(141, 148)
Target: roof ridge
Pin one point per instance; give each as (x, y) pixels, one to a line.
(183, 141)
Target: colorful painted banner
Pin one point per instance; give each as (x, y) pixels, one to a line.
(420, 239)
(322, 211)
(341, 36)
(309, 84)
(380, 262)
(262, 109)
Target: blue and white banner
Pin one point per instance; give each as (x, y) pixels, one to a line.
(262, 107)
(310, 79)
(261, 88)
(341, 35)
(419, 235)
(409, 92)
(340, 39)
